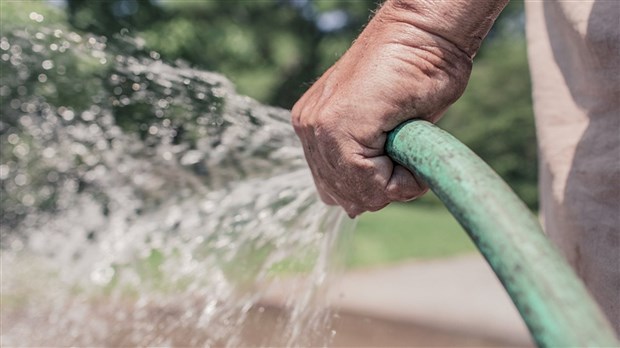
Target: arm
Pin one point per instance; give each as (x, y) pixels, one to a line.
(463, 23)
(413, 60)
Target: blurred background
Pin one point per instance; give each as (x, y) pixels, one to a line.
(272, 51)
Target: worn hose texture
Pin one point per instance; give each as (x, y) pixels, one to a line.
(551, 299)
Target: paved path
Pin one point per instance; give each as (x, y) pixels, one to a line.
(461, 294)
(458, 294)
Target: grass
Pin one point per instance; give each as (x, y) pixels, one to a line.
(406, 231)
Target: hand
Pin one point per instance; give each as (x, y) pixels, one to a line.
(394, 72)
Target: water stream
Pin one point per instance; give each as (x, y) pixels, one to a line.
(145, 202)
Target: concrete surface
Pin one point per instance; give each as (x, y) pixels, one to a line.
(460, 295)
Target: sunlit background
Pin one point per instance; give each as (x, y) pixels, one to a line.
(271, 51)
(274, 50)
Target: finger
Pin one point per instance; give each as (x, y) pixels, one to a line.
(304, 112)
(353, 210)
(404, 186)
(367, 184)
(324, 195)
(308, 154)
(318, 182)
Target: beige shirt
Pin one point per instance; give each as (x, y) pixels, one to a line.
(574, 55)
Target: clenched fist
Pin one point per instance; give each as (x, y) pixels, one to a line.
(398, 69)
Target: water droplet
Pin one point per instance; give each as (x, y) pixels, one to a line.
(102, 275)
(135, 86)
(16, 49)
(4, 45)
(42, 78)
(49, 152)
(87, 116)
(162, 103)
(101, 145)
(21, 150)
(21, 179)
(16, 104)
(52, 176)
(75, 37)
(16, 60)
(5, 170)
(191, 157)
(36, 17)
(13, 138)
(17, 245)
(68, 115)
(47, 64)
(28, 200)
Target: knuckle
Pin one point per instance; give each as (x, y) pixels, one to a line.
(377, 207)
(353, 210)
(301, 118)
(296, 118)
(324, 126)
(396, 191)
(296, 110)
(326, 198)
(328, 119)
(374, 202)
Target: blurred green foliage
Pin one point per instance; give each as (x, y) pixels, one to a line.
(495, 117)
(273, 50)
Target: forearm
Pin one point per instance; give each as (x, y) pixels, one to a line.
(463, 23)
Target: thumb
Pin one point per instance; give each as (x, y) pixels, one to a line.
(404, 185)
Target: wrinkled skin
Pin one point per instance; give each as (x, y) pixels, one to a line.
(395, 71)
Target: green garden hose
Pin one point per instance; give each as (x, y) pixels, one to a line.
(554, 303)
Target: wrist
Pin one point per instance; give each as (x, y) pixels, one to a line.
(462, 24)
(417, 73)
